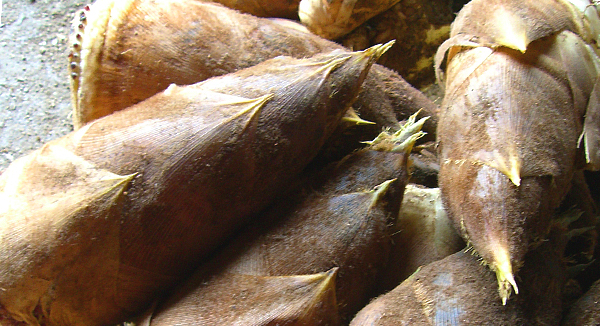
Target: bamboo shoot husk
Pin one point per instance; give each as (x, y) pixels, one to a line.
(458, 290)
(240, 299)
(332, 19)
(126, 51)
(338, 219)
(520, 89)
(158, 186)
(264, 8)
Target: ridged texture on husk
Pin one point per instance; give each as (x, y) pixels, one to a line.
(44, 196)
(130, 50)
(515, 23)
(240, 299)
(338, 219)
(422, 234)
(460, 291)
(195, 164)
(264, 8)
(510, 124)
(133, 49)
(332, 19)
(419, 28)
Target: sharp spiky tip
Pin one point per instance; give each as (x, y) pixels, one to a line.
(401, 141)
(505, 286)
(380, 190)
(249, 107)
(407, 145)
(383, 48)
(327, 276)
(515, 178)
(514, 174)
(512, 31)
(519, 44)
(509, 164)
(376, 51)
(332, 273)
(353, 118)
(411, 126)
(409, 133)
(383, 135)
(504, 275)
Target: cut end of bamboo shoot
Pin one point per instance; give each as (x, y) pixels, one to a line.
(91, 26)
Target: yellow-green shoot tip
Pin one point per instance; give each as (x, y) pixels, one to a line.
(378, 50)
(504, 275)
(352, 118)
(380, 190)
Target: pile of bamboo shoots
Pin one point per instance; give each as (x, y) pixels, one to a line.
(227, 169)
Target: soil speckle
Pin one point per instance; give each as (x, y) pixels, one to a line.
(35, 104)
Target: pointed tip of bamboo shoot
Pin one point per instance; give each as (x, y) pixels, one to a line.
(325, 284)
(409, 134)
(352, 118)
(505, 287)
(517, 42)
(514, 176)
(512, 31)
(514, 170)
(504, 275)
(376, 51)
(403, 140)
(380, 190)
(507, 163)
(331, 274)
(384, 48)
(324, 278)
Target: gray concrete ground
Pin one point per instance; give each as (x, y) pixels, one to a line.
(34, 86)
